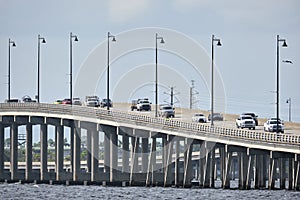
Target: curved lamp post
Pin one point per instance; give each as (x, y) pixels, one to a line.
(278, 40)
(213, 39)
(107, 89)
(13, 44)
(38, 61)
(156, 72)
(71, 65)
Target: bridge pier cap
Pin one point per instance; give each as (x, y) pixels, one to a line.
(132, 70)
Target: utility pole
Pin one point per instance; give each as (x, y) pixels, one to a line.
(171, 94)
(192, 93)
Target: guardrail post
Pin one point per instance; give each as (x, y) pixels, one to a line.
(28, 171)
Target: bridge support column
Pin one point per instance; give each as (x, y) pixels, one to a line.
(125, 154)
(145, 142)
(134, 158)
(243, 166)
(228, 159)
(187, 177)
(14, 151)
(296, 174)
(177, 160)
(106, 152)
(150, 179)
(88, 149)
(28, 170)
(95, 155)
(260, 171)
(1, 151)
(272, 171)
(43, 154)
(168, 178)
(222, 164)
(212, 166)
(72, 147)
(77, 147)
(282, 165)
(113, 154)
(290, 173)
(59, 151)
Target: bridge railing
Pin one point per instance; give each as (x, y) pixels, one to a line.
(191, 128)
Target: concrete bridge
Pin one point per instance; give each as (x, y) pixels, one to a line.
(189, 154)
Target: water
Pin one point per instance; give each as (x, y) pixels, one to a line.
(45, 191)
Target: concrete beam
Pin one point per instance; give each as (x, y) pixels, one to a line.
(28, 170)
(14, 151)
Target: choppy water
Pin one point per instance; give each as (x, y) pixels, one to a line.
(43, 191)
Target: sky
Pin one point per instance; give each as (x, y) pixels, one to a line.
(245, 65)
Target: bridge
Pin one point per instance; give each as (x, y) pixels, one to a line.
(144, 150)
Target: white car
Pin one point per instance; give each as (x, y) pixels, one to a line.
(271, 126)
(199, 117)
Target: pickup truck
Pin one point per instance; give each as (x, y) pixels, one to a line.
(141, 104)
(92, 101)
(245, 121)
(199, 117)
(271, 126)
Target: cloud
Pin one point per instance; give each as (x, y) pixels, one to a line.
(124, 11)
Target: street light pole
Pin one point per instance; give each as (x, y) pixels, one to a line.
(71, 65)
(156, 72)
(107, 89)
(277, 77)
(213, 39)
(13, 44)
(38, 61)
(289, 101)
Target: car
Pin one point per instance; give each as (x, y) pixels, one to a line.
(216, 117)
(275, 118)
(66, 101)
(271, 126)
(245, 121)
(166, 111)
(104, 103)
(199, 117)
(27, 99)
(58, 101)
(76, 101)
(253, 115)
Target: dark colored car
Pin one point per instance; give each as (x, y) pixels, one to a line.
(216, 117)
(104, 103)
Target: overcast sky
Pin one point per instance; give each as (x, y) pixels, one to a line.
(246, 62)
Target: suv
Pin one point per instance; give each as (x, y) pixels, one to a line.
(253, 115)
(104, 103)
(199, 117)
(76, 101)
(245, 121)
(166, 111)
(271, 126)
(216, 117)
